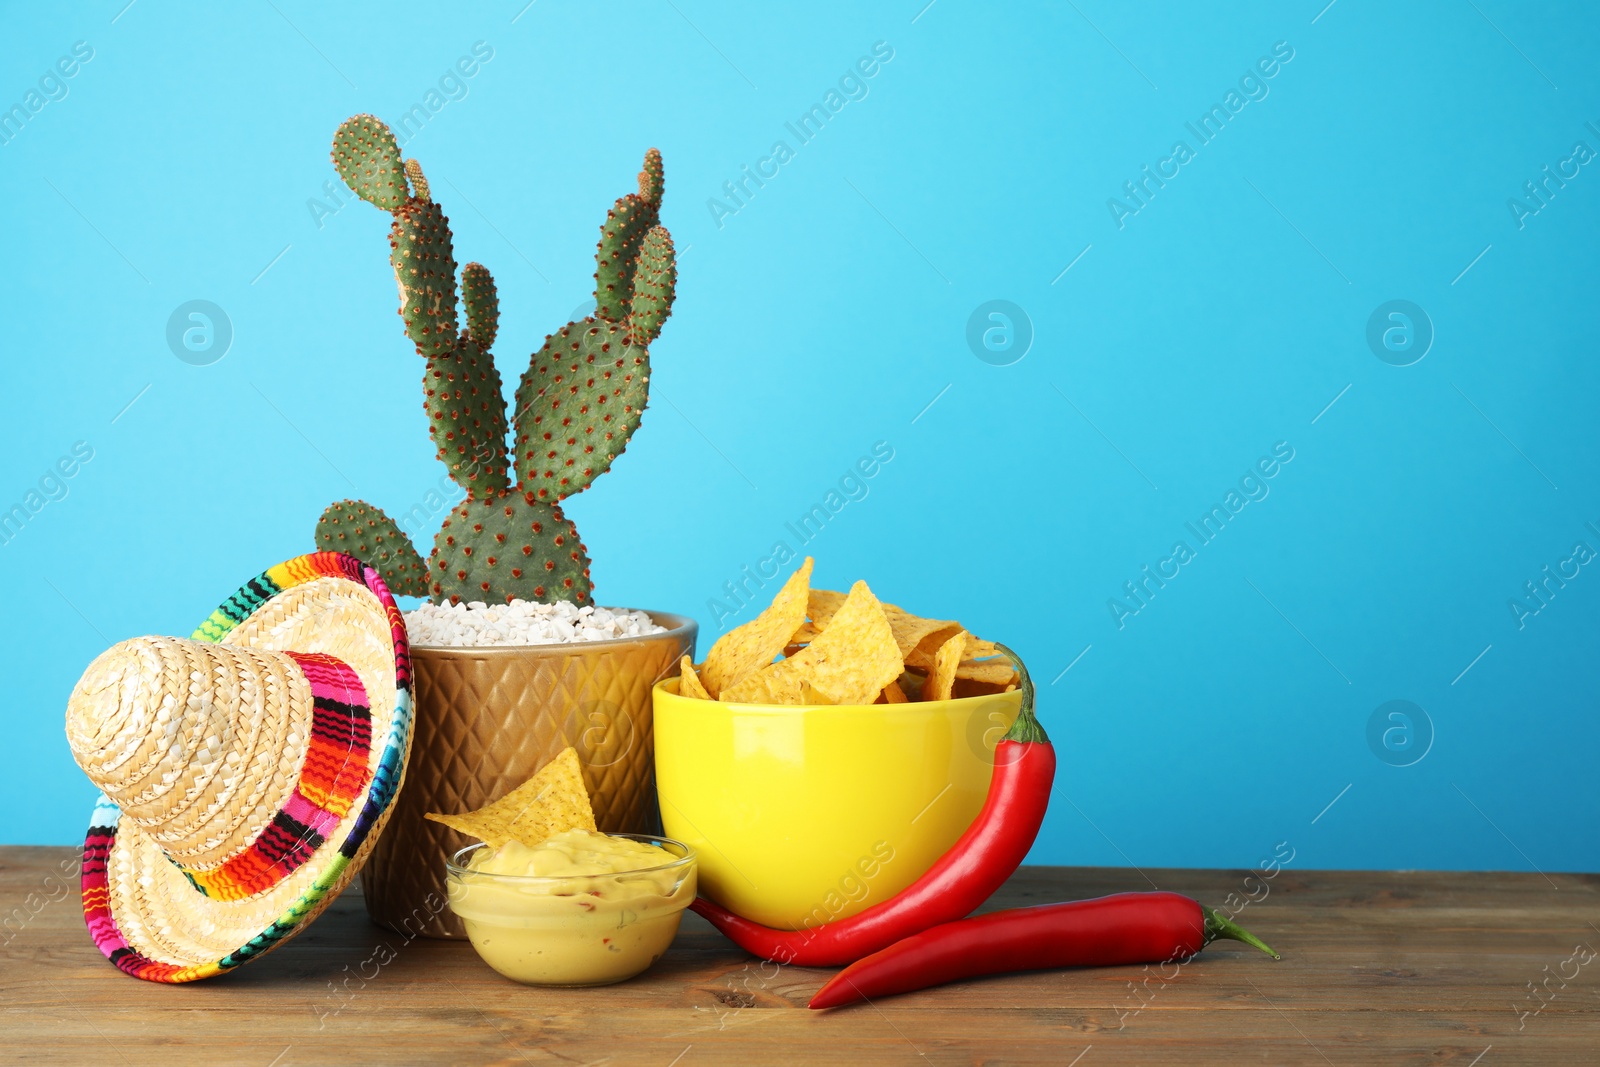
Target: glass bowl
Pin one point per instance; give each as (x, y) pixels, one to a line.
(573, 930)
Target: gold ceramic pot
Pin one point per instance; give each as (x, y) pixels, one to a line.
(486, 720)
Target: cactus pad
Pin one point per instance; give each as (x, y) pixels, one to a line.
(629, 219)
(507, 547)
(483, 304)
(367, 158)
(425, 267)
(467, 417)
(365, 532)
(654, 284)
(651, 179)
(580, 401)
(419, 183)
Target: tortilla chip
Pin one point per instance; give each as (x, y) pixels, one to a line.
(689, 682)
(752, 646)
(893, 694)
(816, 670)
(774, 684)
(551, 802)
(849, 663)
(810, 694)
(965, 687)
(855, 657)
(909, 629)
(994, 671)
(944, 668)
(766, 686)
(922, 656)
(821, 604)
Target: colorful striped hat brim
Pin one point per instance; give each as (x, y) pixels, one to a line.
(325, 634)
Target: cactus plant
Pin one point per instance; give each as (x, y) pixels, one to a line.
(577, 405)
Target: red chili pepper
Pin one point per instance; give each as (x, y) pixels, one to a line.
(1119, 929)
(963, 878)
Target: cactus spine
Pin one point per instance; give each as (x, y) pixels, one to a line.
(577, 405)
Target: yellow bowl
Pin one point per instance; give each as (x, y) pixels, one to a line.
(803, 815)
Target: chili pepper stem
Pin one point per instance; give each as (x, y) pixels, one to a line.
(1219, 925)
(1026, 727)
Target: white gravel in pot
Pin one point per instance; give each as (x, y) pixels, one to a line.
(523, 622)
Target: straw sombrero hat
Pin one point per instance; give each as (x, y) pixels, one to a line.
(245, 771)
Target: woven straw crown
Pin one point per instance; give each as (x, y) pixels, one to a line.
(198, 744)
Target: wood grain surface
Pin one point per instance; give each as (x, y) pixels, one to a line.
(1378, 968)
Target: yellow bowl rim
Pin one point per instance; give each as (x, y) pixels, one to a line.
(794, 709)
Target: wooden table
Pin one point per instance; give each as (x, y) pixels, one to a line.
(1378, 968)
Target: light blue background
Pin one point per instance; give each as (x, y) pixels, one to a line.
(830, 311)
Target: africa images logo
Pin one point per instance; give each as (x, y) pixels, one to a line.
(1205, 129)
(852, 85)
(1252, 487)
(453, 84)
(852, 486)
(51, 87)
